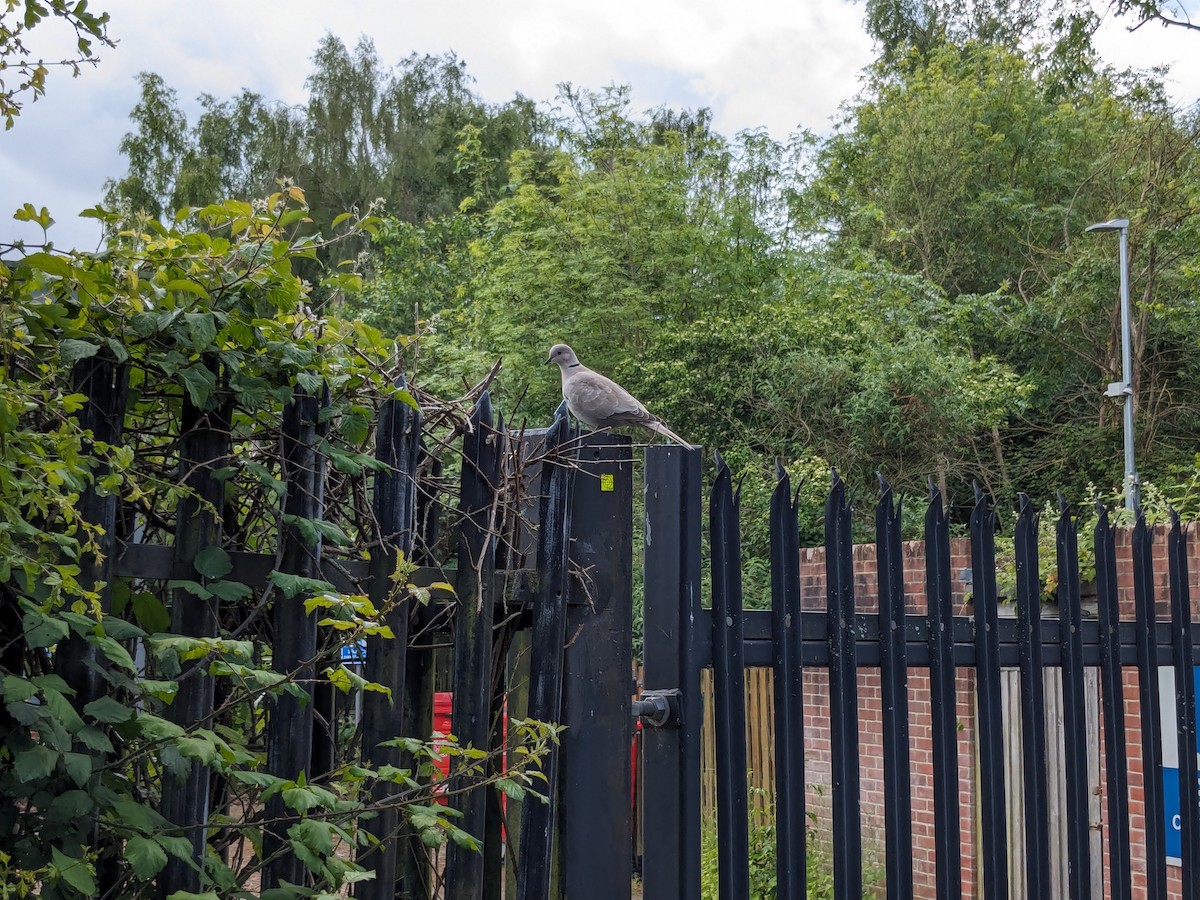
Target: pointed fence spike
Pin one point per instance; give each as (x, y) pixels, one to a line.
(979, 496)
(780, 471)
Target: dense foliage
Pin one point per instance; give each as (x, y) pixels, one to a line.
(210, 322)
(911, 294)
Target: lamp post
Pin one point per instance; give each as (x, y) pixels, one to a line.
(1124, 387)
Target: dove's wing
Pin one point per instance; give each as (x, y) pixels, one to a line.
(601, 402)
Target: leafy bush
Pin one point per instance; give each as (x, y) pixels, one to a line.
(818, 867)
(208, 319)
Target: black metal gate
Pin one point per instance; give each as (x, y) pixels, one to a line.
(682, 637)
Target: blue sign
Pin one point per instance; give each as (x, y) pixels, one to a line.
(356, 652)
(1170, 757)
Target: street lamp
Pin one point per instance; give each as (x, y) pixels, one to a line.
(1124, 387)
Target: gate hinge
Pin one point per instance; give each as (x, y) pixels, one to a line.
(659, 708)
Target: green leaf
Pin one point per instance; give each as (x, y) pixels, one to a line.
(54, 683)
(199, 382)
(150, 612)
(70, 805)
(42, 630)
(72, 350)
(230, 591)
(213, 562)
(315, 834)
(34, 763)
(113, 650)
(145, 856)
(307, 528)
(155, 727)
(163, 690)
(138, 816)
(48, 263)
(108, 710)
(95, 739)
(202, 330)
(291, 585)
(182, 284)
(197, 748)
(17, 689)
(62, 710)
(177, 845)
(188, 895)
(195, 588)
(79, 767)
(75, 872)
(120, 630)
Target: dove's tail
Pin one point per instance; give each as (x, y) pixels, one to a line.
(656, 425)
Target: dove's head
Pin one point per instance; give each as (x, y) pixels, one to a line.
(562, 356)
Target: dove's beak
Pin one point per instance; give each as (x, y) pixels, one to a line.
(549, 359)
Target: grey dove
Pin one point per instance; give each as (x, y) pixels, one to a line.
(599, 401)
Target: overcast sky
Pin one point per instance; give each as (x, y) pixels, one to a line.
(781, 64)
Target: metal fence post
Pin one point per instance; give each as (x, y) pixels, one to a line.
(204, 449)
(985, 602)
(943, 700)
(894, 688)
(290, 727)
(671, 814)
(729, 688)
(1150, 708)
(1074, 705)
(482, 457)
(398, 440)
(1184, 661)
(534, 867)
(843, 695)
(786, 638)
(595, 819)
(1033, 702)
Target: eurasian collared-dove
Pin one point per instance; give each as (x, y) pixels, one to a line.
(599, 401)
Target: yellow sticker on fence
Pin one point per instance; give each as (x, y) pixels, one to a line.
(606, 482)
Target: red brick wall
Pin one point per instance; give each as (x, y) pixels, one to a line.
(924, 850)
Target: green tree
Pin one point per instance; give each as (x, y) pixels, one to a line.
(625, 232)
(369, 137)
(974, 171)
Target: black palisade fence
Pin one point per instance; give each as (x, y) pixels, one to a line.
(575, 604)
(682, 637)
